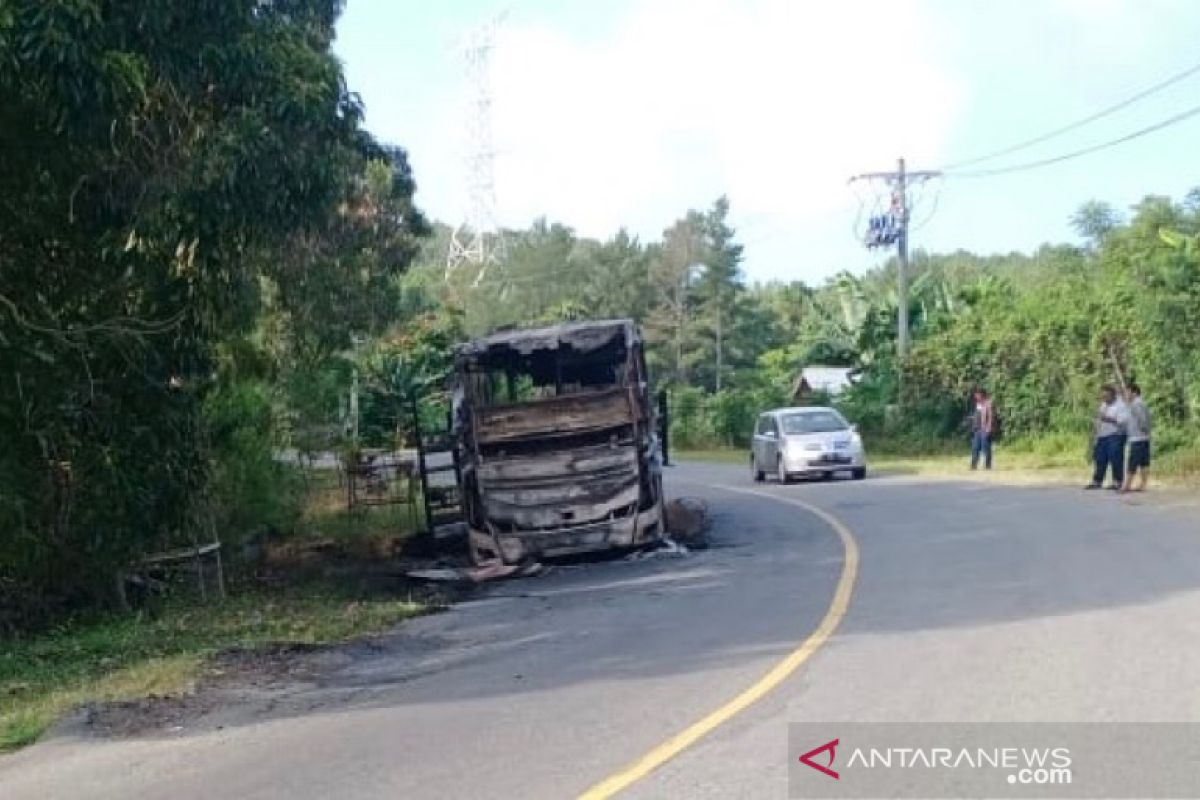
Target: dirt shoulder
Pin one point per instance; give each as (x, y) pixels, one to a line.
(123, 674)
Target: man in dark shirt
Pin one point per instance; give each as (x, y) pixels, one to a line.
(982, 425)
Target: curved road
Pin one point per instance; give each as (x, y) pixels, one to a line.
(974, 602)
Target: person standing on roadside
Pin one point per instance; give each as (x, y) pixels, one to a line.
(1138, 429)
(982, 426)
(1108, 435)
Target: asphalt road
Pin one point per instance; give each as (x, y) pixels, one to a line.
(974, 603)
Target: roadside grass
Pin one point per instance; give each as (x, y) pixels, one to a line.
(127, 657)
(117, 657)
(324, 517)
(714, 455)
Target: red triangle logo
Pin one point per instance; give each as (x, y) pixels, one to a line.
(831, 748)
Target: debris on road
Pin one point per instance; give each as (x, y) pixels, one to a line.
(491, 571)
(687, 529)
(665, 547)
(688, 521)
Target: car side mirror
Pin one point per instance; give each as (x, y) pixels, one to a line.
(770, 434)
(854, 428)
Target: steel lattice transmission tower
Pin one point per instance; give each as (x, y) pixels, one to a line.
(478, 241)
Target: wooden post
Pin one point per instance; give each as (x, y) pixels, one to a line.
(421, 467)
(212, 526)
(200, 579)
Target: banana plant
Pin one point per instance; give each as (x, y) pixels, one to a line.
(1190, 245)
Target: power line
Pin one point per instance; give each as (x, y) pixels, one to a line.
(937, 200)
(1079, 123)
(1166, 123)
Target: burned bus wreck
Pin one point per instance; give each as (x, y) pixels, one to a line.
(556, 441)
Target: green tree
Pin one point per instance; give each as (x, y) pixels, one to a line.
(160, 160)
(704, 326)
(1094, 220)
(616, 282)
(339, 280)
(672, 274)
(728, 338)
(410, 365)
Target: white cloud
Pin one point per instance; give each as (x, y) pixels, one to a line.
(772, 102)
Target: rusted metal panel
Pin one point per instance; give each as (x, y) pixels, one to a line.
(554, 416)
(547, 510)
(559, 465)
(560, 488)
(623, 532)
(580, 336)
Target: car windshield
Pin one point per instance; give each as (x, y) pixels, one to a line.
(813, 422)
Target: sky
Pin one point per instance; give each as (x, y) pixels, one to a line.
(627, 113)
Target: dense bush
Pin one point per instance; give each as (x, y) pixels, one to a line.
(719, 419)
(251, 490)
(170, 170)
(1044, 351)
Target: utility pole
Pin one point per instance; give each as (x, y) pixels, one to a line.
(356, 343)
(902, 262)
(900, 180)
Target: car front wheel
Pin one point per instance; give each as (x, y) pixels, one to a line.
(781, 472)
(859, 473)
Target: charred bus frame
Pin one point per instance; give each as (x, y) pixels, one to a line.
(557, 442)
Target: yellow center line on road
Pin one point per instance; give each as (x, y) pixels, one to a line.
(655, 758)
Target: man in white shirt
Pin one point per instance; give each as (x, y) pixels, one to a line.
(1138, 428)
(1108, 434)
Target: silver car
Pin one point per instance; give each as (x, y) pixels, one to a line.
(789, 442)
